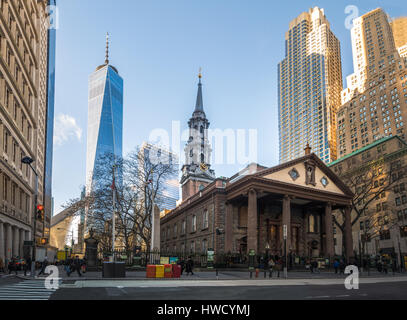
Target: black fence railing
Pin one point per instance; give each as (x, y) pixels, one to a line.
(218, 260)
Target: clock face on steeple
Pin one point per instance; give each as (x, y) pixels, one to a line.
(203, 167)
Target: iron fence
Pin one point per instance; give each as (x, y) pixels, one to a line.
(142, 258)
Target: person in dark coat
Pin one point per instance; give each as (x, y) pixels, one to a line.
(43, 266)
(27, 265)
(76, 265)
(189, 266)
(182, 264)
(12, 266)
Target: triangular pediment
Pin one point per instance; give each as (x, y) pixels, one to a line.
(320, 177)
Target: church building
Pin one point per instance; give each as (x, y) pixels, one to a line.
(257, 207)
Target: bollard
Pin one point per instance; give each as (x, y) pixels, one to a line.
(257, 273)
(217, 274)
(265, 274)
(270, 274)
(251, 274)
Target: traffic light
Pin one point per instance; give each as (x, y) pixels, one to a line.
(44, 241)
(40, 212)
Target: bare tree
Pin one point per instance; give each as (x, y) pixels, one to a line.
(371, 182)
(137, 182)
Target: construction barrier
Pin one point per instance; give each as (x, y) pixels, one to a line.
(167, 271)
(176, 271)
(151, 271)
(159, 271)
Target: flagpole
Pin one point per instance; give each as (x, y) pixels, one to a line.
(113, 216)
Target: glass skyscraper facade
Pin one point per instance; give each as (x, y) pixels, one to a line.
(49, 140)
(309, 88)
(169, 193)
(105, 118)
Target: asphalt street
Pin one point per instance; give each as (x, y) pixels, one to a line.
(381, 291)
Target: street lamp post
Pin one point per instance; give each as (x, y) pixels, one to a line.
(28, 160)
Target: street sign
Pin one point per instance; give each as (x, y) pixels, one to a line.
(285, 231)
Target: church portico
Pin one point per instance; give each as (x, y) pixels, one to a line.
(259, 207)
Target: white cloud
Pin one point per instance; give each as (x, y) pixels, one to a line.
(65, 128)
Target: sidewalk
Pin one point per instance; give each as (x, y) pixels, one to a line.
(222, 275)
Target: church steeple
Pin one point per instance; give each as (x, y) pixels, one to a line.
(196, 172)
(199, 100)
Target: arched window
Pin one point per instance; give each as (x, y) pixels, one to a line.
(201, 129)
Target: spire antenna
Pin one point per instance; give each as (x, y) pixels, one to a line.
(107, 48)
(200, 74)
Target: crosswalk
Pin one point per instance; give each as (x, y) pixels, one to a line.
(26, 290)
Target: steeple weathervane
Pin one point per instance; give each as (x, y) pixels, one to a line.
(107, 48)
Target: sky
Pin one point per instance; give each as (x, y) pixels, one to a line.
(158, 47)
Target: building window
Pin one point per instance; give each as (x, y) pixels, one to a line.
(403, 231)
(175, 231)
(193, 223)
(205, 245)
(205, 219)
(192, 247)
(183, 227)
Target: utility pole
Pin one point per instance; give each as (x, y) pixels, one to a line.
(114, 214)
(285, 250)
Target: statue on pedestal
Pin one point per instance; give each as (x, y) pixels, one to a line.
(91, 251)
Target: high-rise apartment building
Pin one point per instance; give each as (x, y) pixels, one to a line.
(310, 84)
(26, 107)
(105, 116)
(169, 191)
(375, 101)
(399, 27)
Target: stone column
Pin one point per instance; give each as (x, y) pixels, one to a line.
(8, 241)
(252, 221)
(348, 234)
(229, 227)
(16, 241)
(155, 244)
(22, 235)
(2, 242)
(329, 233)
(286, 220)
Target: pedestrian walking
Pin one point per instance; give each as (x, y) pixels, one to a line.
(279, 266)
(44, 264)
(27, 265)
(272, 266)
(12, 266)
(336, 266)
(76, 265)
(385, 266)
(67, 266)
(182, 265)
(2, 266)
(189, 266)
(342, 267)
(379, 266)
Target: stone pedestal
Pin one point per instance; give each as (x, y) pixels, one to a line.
(91, 252)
